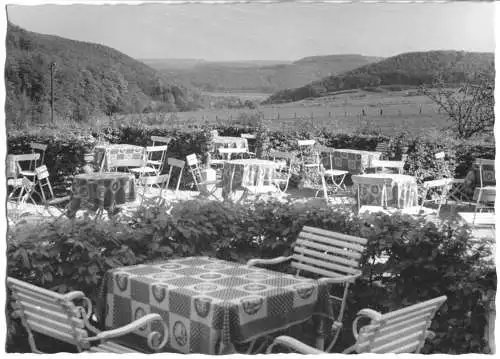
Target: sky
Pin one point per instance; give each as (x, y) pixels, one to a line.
(283, 31)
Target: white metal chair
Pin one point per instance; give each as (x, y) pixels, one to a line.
(337, 176)
(332, 256)
(155, 159)
(309, 156)
(486, 193)
(394, 166)
(206, 188)
(65, 317)
(162, 182)
(161, 139)
(400, 331)
(282, 173)
(49, 200)
(251, 140)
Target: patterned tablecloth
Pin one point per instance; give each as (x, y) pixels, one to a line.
(103, 153)
(401, 190)
(354, 161)
(101, 190)
(209, 303)
(249, 172)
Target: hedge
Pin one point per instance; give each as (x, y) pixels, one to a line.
(64, 157)
(423, 260)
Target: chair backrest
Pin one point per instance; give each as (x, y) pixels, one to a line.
(115, 161)
(486, 171)
(157, 154)
(326, 253)
(397, 165)
(192, 162)
(175, 163)
(40, 148)
(382, 147)
(50, 313)
(46, 190)
(160, 139)
(31, 158)
(399, 331)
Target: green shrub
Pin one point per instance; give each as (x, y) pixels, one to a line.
(422, 260)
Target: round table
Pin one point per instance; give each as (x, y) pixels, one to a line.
(402, 191)
(246, 172)
(100, 191)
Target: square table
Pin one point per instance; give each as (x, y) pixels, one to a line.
(102, 190)
(209, 304)
(118, 151)
(353, 161)
(246, 172)
(402, 190)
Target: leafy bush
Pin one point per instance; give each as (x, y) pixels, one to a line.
(422, 260)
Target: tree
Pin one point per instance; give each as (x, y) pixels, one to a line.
(469, 108)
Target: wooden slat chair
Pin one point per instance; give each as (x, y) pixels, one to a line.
(206, 188)
(49, 200)
(155, 160)
(400, 331)
(330, 255)
(62, 317)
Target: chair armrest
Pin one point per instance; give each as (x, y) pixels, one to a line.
(293, 344)
(429, 334)
(277, 260)
(342, 279)
(153, 337)
(364, 313)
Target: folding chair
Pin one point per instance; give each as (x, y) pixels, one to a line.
(155, 159)
(252, 143)
(486, 193)
(438, 190)
(332, 256)
(49, 200)
(161, 139)
(337, 176)
(309, 156)
(400, 331)
(206, 188)
(162, 182)
(39, 148)
(382, 166)
(282, 173)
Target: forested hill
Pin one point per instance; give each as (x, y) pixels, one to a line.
(409, 69)
(88, 79)
(257, 76)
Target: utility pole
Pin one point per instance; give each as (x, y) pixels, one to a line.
(52, 69)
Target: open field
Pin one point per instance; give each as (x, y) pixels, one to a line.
(342, 112)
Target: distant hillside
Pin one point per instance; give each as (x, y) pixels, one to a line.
(409, 69)
(89, 79)
(257, 76)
